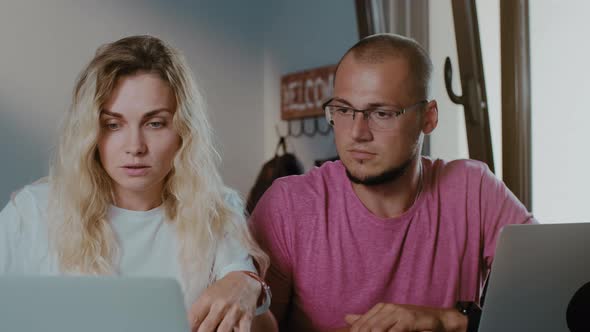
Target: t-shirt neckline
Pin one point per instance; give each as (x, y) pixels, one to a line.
(389, 222)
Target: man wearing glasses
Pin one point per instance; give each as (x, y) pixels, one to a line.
(384, 239)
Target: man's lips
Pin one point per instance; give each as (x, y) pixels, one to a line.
(361, 154)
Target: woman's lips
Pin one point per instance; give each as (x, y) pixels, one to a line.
(136, 170)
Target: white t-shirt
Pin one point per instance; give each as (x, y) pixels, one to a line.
(147, 243)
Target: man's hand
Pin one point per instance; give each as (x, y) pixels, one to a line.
(407, 318)
(227, 304)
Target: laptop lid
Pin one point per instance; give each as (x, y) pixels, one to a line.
(539, 272)
(91, 304)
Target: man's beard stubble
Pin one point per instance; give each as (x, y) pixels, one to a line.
(388, 176)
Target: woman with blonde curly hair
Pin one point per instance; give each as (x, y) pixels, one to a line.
(134, 190)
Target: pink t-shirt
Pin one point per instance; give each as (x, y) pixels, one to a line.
(331, 256)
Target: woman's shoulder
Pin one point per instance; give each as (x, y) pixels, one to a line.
(27, 206)
(232, 198)
(32, 196)
(23, 228)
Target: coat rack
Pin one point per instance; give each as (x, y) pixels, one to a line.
(302, 95)
(316, 128)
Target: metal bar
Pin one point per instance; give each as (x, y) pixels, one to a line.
(474, 100)
(364, 18)
(516, 99)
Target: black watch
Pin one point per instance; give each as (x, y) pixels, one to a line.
(473, 313)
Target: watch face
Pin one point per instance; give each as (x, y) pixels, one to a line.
(466, 307)
(473, 313)
(462, 309)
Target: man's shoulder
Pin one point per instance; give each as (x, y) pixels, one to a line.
(315, 181)
(469, 176)
(458, 167)
(306, 193)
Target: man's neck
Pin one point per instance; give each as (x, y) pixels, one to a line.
(392, 199)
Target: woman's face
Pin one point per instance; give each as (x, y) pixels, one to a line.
(137, 143)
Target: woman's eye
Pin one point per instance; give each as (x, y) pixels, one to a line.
(156, 124)
(112, 126)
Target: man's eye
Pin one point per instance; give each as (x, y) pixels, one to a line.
(344, 111)
(382, 115)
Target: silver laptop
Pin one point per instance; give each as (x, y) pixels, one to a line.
(91, 304)
(540, 280)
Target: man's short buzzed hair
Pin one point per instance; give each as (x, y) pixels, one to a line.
(378, 48)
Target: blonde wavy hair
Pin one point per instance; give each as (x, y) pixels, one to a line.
(194, 196)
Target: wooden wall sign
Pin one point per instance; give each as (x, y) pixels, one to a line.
(302, 93)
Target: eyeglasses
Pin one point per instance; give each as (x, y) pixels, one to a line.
(379, 118)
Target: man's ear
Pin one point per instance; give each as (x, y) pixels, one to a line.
(430, 117)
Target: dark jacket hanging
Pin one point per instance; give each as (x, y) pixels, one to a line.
(278, 166)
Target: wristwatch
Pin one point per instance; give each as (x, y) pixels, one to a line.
(473, 313)
(263, 303)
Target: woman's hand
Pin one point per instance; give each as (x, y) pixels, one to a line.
(227, 304)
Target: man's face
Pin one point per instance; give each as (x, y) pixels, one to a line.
(137, 142)
(369, 153)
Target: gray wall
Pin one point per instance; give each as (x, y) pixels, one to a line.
(303, 34)
(46, 43)
(237, 49)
